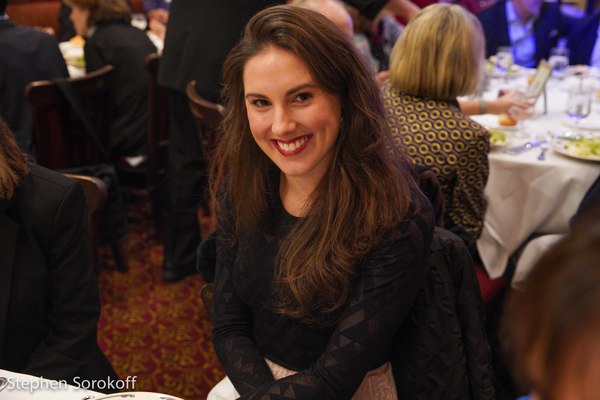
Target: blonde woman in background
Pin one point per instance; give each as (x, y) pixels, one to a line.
(437, 58)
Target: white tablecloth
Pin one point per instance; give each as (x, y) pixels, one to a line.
(27, 387)
(526, 195)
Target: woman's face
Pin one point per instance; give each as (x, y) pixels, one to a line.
(292, 119)
(79, 16)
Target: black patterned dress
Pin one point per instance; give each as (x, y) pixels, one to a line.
(437, 134)
(332, 359)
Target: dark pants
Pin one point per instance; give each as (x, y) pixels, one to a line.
(186, 181)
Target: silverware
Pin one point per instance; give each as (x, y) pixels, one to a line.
(523, 148)
(545, 145)
(3, 383)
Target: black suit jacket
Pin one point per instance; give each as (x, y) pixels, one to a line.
(201, 33)
(26, 55)
(125, 48)
(548, 27)
(49, 305)
(583, 39)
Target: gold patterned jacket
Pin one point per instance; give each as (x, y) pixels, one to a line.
(437, 134)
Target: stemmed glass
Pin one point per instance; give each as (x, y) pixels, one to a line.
(504, 60)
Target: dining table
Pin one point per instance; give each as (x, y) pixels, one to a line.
(28, 387)
(535, 184)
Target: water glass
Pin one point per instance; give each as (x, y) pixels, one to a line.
(579, 103)
(522, 114)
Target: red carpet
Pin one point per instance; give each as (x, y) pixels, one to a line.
(156, 331)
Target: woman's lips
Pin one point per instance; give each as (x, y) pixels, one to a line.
(292, 147)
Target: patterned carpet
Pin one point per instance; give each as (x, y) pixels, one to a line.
(156, 331)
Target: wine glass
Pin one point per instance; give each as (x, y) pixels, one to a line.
(504, 60)
(579, 104)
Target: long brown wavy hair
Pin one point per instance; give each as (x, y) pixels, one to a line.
(13, 163)
(364, 193)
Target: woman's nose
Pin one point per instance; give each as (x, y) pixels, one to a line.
(283, 122)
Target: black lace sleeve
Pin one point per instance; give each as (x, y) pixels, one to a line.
(388, 282)
(238, 353)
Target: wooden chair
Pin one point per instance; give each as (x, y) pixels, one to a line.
(95, 192)
(208, 116)
(60, 139)
(158, 140)
(59, 136)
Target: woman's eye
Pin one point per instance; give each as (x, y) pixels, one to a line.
(260, 102)
(302, 97)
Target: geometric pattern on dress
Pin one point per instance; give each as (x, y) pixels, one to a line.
(437, 134)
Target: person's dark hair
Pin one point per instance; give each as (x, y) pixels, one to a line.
(13, 163)
(3, 4)
(104, 11)
(556, 311)
(363, 195)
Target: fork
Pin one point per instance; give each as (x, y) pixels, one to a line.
(544, 146)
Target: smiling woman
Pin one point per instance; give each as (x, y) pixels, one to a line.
(293, 120)
(313, 212)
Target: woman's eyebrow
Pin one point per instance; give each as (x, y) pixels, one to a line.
(289, 92)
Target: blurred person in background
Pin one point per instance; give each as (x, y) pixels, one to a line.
(26, 55)
(584, 45)
(157, 12)
(49, 303)
(439, 57)
(110, 39)
(530, 27)
(551, 328)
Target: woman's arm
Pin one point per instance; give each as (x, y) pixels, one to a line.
(389, 279)
(501, 105)
(467, 207)
(232, 327)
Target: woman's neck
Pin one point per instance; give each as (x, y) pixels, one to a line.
(295, 195)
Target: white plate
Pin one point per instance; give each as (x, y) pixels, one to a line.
(136, 396)
(591, 123)
(566, 148)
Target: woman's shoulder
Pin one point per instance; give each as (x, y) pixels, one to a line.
(418, 222)
(44, 179)
(409, 240)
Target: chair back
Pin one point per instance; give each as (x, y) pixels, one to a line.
(60, 138)
(95, 192)
(208, 116)
(158, 125)
(441, 349)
